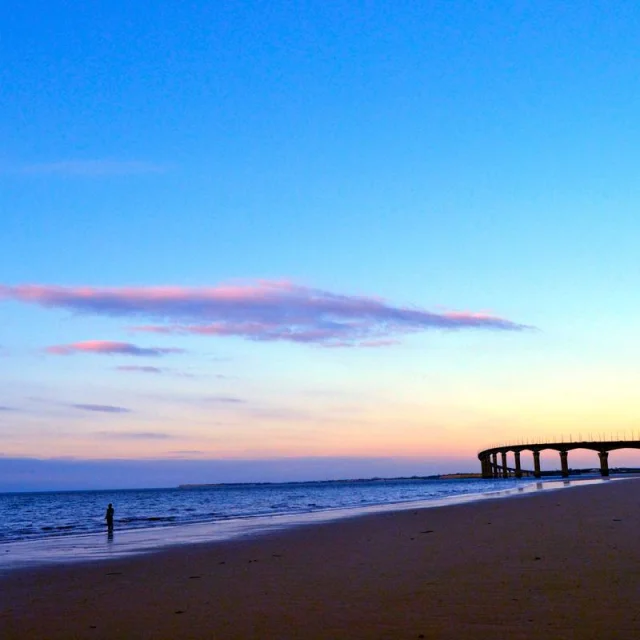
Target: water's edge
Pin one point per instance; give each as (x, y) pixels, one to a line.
(92, 547)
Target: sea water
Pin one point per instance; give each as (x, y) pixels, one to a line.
(66, 526)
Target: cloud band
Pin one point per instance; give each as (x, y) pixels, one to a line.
(265, 310)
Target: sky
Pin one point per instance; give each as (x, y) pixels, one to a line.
(274, 241)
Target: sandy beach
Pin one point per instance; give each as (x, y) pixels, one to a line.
(557, 564)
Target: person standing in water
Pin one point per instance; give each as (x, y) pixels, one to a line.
(109, 517)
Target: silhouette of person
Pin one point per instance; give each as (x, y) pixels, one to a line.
(109, 517)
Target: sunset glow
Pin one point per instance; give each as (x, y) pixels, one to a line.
(260, 233)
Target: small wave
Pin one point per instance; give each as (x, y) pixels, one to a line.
(148, 519)
(59, 527)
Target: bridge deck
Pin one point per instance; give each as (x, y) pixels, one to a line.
(491, 468)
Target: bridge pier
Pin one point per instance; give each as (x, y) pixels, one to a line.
(487, 471)
(494, 464)
(604, 463)
(536, 465)
(505, 469)
(516, 455)
(564, 462)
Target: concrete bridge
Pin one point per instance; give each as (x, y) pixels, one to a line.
(492, 467)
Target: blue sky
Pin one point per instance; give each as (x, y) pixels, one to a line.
(470, 158)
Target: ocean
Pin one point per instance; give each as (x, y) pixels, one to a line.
(44, 527)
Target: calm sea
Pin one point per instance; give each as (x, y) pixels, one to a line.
(70, 525)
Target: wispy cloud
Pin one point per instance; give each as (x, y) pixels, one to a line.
(106, 347)
(176, 373)
(5, 408)
(134, 435)
(90, 168)
(365, 343)
(189, 452)
(140, 369)
(262, 311)
(101, 408)
(222, 400)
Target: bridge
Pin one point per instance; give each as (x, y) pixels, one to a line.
(494, 468)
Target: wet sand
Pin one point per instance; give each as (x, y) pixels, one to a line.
(554, 565)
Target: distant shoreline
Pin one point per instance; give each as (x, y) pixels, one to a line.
(444, 476)
(341, 481)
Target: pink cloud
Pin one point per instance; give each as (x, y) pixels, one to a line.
(107, 347)
(263, 310)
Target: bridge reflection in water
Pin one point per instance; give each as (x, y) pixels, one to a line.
(492, 467)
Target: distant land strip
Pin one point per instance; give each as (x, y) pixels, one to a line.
(444, 476)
